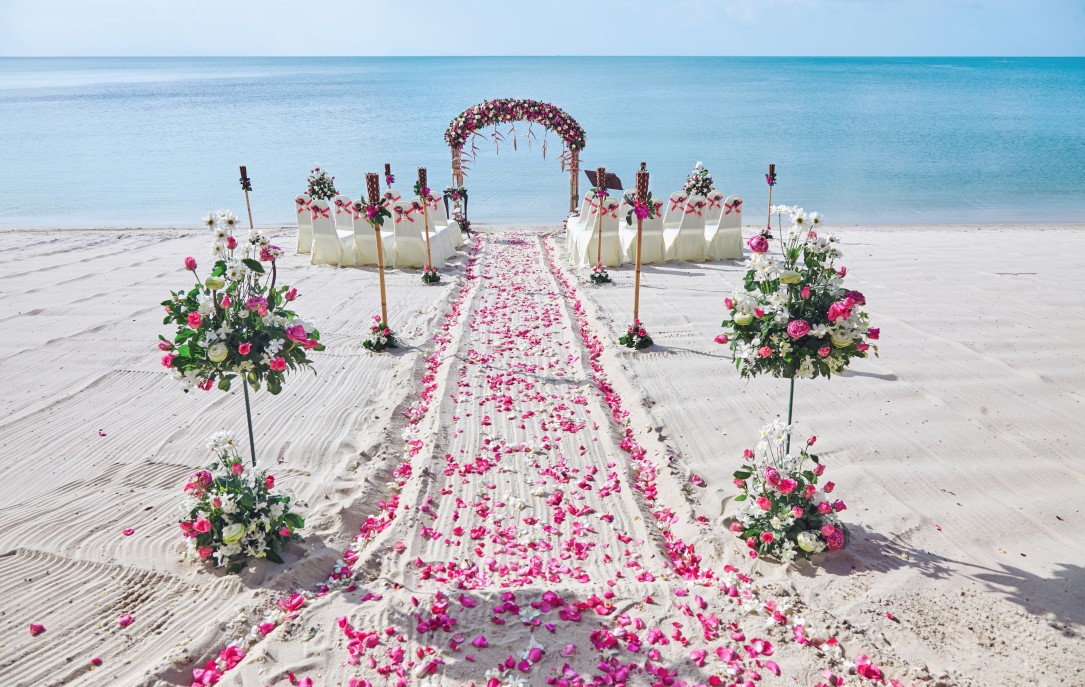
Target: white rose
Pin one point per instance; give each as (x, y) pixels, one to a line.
(231, 534)
(217, 353)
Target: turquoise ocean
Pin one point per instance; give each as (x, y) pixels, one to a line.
(157, 141)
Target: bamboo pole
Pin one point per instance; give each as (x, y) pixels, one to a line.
(636, 282)
(380, 272)
(772, 173)
(600, 180)
(425, 212)
(245, 186)
(574, 180)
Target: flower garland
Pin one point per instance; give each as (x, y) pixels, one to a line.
(321, 185)
(793, 318)
(380, 336)
(514, 109)
(699, 182)
(237, 322)
(636, 336)
(232, 514)
(782, 511)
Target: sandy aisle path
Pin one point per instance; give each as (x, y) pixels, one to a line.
(527, 537)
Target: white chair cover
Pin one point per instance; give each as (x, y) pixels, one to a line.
(305, 222)
(715, 208)
(589, 237)
(440, 240)
(725, 241)
(686, 242)
(327, 246)
(576, 224)
(651, 242)
(676, 209)
(344, 220)
(438, 220)
(410, 247)
(365, 239)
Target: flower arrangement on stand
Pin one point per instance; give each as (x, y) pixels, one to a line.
(456, 194)
(783, 513)
(237, 323)
(429, 275)
(699, 182)
(232, 514)
(636, 336)
(320, 184)
(646, 209)
(599, 275)
(380, 336)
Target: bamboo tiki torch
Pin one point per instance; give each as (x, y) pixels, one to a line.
(642, 196)
(388, 174)
(425, 211)
(372, 185)
(771, 179)
(246, 185)
(600, 180)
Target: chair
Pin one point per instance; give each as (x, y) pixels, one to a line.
(440, 239)
(576, 224)
(302, 201)
(686, 242)
(676, 208)
(714, 209)
(439, 220)
(365, 239)
(328, 245)
(344, 221)
(410, 247)
(651, 241)
(588, 239)
(724, 242)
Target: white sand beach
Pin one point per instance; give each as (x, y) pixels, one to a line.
(956, 450)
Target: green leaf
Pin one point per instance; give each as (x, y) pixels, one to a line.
(274, 557)
(740, 497)
(253, 265)
(742, 474)
(219, 269)
(224, 384)
(294, 520)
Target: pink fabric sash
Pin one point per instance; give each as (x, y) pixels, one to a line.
(317, 212)
(690, 209)
(714, 202)
(675, 202)
(733, 207)
(302, 205)
(402, 214)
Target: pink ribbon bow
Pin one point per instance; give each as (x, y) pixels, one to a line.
(402, 214)
(341, 207)
(735, 207)
(613, 210)
(675, 202)
(592, 207)
(690, 209)
(714, 202)
(319, 212)
(303, 205)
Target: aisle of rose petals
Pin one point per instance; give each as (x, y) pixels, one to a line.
(523, 540)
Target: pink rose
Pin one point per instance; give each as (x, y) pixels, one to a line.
(269, 481)
(190, 264)
(764, 351)
(808, 493)
(244, 348)
(811, 440)
(819, 470)
(735, 527)
(237, 468)
(198, 481)
(797, 512)
(205, 551)
(728, 303)
(721, 338)
(763, 503)
(751, 542)
(747, 453)
(284, 531)
(167, 360)
(827, 530)
(828, 488)
(825, 508)
(862, 347)
(165, 346)
(225, 302)
(291, 294)
(805, 293)
(873, 333)
(797, 329)
(277, 364)
(642, 333)
(772, 476)
(296, 334)
(740, 483)
(843, 271)
(839, 505)
(758, 313)
(194, 320)
(839, 311)
(836, 540)
(787, 486)
(767, 537)
(202, 524)
(231, 242)
(824, 351)
(758, 244)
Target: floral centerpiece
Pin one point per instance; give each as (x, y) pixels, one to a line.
(699, 182)
(782, 510)
(793, 317)
(321, 184)
(380, 336)
(430, 275)
(636, 336)
(232, 513)
(237, 323)
(456, 193)
(599, 275)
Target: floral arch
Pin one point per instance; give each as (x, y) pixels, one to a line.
(464, 131)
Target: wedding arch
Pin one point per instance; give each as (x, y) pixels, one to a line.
(465, 130)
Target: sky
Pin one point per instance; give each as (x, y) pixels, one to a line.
(547, 27)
